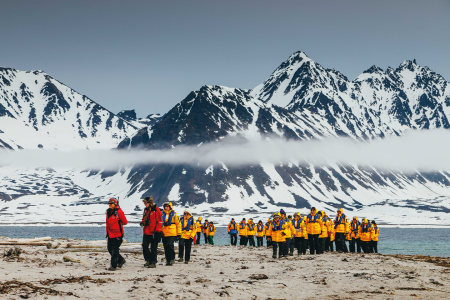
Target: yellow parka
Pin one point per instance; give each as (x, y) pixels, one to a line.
(260, 229)
(324, 225)
(313, 224)
(375, 233)
(242, 229)
(299, 228)
(277, 229)
(341, 223)
(205, 227)
(211, 230)
(188, 227)
(171, 223)
(198, 226)
(366, 232)
(266, 228)
(332, 233)
(251, 228)
(355, 229)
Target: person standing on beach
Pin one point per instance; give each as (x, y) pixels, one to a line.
(251, 231)
(314, 229)
(242, 233)
(355, 228)
(365, 236)
(232, 231)
(342, 229)
(374, 237)
(205, 231)
(324, 235)
(299, 229)
(188, 232)
(115, 219)
(268, 237)
(278, 230)
(259, 233)
(151, 223)
(171, 232)
(211, 232)
(198, 224)
(288, 236)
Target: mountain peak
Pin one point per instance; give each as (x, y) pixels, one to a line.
(409, 65)
(373, 69)
(128, 115)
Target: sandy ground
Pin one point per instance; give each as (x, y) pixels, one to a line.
(217, 272)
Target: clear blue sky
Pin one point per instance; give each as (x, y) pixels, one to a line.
(148, 55)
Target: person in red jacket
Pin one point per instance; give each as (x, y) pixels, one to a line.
(152, 223)
(115, 219)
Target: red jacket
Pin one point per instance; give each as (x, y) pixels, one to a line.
(115, 219)
(154, 222)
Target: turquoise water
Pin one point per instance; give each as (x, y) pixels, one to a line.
(423, 241)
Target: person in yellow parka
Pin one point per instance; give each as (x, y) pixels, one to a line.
(198, 224)
(268, 237)
(365, 236)
(205, 231)
(171, 230)
(348, 235)
(314, 228)
(299, 233)
(374, 237)
(324, 235)
(328, 223)
(342, 229)
(355, 229)
(242, 229)
(278, 231)
(211, 232)
(287, 246)
(332, 235)
(251, 232)
(188, 233)
(305, 234)
(259, 233)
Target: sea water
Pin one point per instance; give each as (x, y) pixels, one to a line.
(418, 241)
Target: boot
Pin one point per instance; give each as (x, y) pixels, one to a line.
(172, 262)
(152, 265)
(120, 265)
(291, 253)
(180, 260)
(147, 263)
(111, 269)
(274, 256)
(186, 262)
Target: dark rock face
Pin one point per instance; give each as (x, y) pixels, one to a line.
(128, 115)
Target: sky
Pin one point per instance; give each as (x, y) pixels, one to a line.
(148, 55)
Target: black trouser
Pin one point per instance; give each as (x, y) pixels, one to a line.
(352, 245)
(113, 249)
(365, 246)
(313, 243)
(169, 249)
(269, 241)
(331, 245)
(185, 244)
(327, 244)
(243, 240)
(233, 238)
(291, 248)
(374, 246)
(287, 246)
(340, 242)
(152, 240)
(259, 241)
(322, 245)
(276, 245)
(298, 243)
(251, 240)
(206, 238)
(199, 235)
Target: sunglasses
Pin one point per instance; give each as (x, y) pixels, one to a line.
(186, 214)
(110, 203)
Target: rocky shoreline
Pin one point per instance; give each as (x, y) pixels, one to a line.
(72, 270)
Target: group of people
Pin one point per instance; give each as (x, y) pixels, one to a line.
(283, 233)
(316, 231)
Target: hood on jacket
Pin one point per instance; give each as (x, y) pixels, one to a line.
(168, 203)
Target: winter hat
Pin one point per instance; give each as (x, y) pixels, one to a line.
(232, 219)
(148, 200)
(113, 201)
(313, 208)
(187, 210)
(373, 222)
(282, 212)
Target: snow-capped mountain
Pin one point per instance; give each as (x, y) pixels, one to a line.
(301, 100)
(37, 111)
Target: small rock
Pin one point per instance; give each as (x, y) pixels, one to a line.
(194, 250)
(135, 282)
(208, 266)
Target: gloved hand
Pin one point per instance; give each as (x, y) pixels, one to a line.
(283, 234)
(141, 224)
